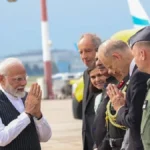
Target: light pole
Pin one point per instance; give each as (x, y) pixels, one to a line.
(46, 51)
(46, 44)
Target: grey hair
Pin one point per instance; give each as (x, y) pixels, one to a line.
(115, 45)
(94, 38)
(8, 62)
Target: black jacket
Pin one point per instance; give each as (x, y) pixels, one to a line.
(88, 114)
(99, 125)
(130, 115)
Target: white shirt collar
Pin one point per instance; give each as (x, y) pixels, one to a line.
(132, 65)
(9, 96)
(16, 101)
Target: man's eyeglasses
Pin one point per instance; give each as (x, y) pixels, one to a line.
(18, 78)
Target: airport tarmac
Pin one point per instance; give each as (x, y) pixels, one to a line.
(66, 131)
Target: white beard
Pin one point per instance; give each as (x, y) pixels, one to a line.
(14, 92)
(20, 94)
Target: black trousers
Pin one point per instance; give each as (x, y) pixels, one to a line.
(105, 145)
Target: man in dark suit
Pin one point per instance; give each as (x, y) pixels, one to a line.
(118, 59)
(88, 45)
(140, 45)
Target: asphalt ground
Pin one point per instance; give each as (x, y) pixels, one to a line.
(66, 131)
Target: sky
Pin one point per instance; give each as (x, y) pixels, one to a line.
(20, 22)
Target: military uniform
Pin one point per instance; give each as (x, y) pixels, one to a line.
(143, 35)
(115, 132)
(98, 127)
(145, 125)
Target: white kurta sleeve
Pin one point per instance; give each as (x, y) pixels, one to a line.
(43, 129)
(13, 129)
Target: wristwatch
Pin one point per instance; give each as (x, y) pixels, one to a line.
(39, 117)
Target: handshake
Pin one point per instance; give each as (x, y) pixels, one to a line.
(33, 101)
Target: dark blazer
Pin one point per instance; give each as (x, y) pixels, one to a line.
(99, 125)
(88, 114)
(130, 115)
